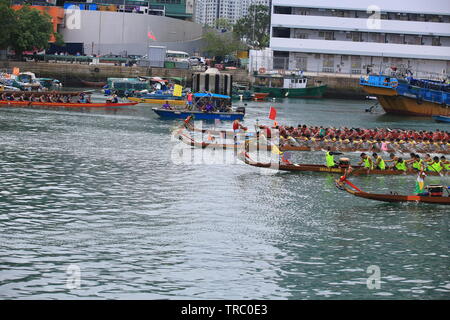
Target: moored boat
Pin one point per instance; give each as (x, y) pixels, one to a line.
(441, 119)
(220, 108)
(415, 97)
(293, 85)
(440, 198)
(93, 84)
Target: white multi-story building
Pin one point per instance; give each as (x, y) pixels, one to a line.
(208, 11)
(354, 37)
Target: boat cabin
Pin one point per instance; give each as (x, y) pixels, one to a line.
(292, 81)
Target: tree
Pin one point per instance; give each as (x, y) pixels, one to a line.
(253, 28)
(222, 44)
(7, 17)
(32, 30)
(223, 23)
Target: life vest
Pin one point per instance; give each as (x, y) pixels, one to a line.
(367, 164)
(330, 160)
(401, 166)
(446, 166)
(436, 167)
(417, 164)
(381, 164)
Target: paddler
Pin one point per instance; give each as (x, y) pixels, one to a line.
(445, 163)
(418, 163)
(329, 158)
(379, 162)
(400, 165)
(435, 165)
(367, 161)
(392, 158)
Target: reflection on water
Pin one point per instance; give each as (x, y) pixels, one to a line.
(99, 190)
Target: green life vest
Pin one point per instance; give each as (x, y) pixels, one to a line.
(330, 160)
(436, 167)
(381, 164)
(447, 166)
(401, 166)
(367, 163)
(417, 164)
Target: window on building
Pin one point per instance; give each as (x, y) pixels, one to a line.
(436, 41)
(355, 64)
(300, 34)
(282, 10)
(356, 36)
(279, 32)
(328, 63)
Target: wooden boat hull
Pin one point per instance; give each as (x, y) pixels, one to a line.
(308, 92)
(211, 145)
(358, 170)
(260, 96)
(393, 103)
(94, 84)
(445, 200)
(64, 105)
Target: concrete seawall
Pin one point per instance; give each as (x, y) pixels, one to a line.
(339, 86)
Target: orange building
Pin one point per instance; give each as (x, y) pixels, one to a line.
(56, 13)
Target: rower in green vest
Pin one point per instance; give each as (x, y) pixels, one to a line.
(418, 163)
(367, 161)
(445, 163)
(400, 165)
(329, 157)
(435, 165)
(379, 162)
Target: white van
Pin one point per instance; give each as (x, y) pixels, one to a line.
(177, 56)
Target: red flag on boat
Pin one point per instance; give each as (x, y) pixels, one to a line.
(272, 113)
(151, 36)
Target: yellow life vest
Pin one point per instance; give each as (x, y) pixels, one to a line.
(401, 166)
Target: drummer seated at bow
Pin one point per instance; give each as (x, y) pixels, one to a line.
(366, 161)
(329, 158)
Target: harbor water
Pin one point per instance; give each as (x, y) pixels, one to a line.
(105, 204)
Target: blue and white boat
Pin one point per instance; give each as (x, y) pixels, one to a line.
(441, 119)
(221, 109)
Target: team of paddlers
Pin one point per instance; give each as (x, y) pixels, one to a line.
(359, 139)
(376, 162)
(47, 97)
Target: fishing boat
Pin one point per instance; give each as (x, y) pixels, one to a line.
(435, 194)
(218, 101)
(293, 85)
(409, 96)
(50, 83)
(357, 170)
(441, 119)
(64, 105)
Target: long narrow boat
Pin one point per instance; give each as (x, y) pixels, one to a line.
(393, 197)
(67, 105)
(187, 139)
(95, 84)
(189, 126)
(357, 170)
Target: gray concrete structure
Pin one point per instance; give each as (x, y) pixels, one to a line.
(104, 32)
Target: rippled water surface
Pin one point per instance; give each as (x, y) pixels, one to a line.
(103, 191)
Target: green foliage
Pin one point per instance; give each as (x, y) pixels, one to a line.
(31, 31)
(254, 27)
(25, 29)
(59, 39)
(223, 23)
(222, 44)
(7, 17)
